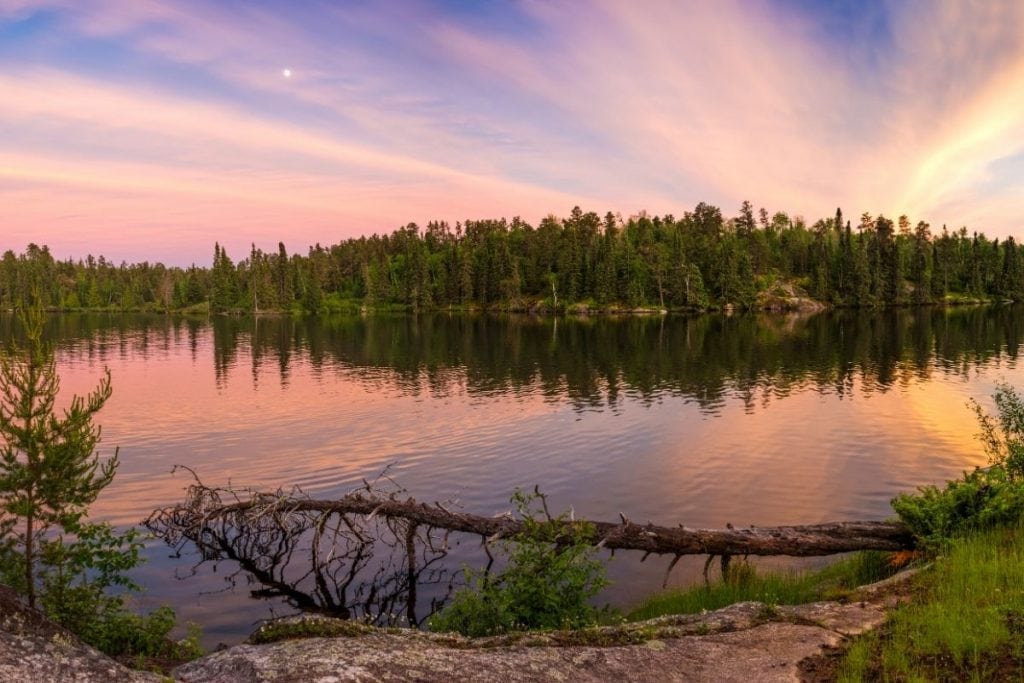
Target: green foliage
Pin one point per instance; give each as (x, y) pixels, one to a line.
(49, 470)
(981, 499)
(125, 634)
(83, 584)
(700, 259)
(745, 583)
(77, 571)
(966, 621)
(978, 500)
(74, 570)
(550, 577)
(77, 582)
(1003, 435)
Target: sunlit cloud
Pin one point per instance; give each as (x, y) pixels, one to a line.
(738, 100)
(217, 170)
(149, 125)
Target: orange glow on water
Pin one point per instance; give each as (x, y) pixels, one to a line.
(675, 426)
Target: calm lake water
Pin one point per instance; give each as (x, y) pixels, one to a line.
(749, 419)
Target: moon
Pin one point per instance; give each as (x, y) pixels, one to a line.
(287, 73)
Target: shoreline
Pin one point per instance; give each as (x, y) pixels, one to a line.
(579, 310)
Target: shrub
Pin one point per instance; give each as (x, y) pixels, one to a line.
(144, 636)
(984, 498)
(548, 581)
(74, 570)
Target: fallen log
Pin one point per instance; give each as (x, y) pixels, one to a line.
(190, 519)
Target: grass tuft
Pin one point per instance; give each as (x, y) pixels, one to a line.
(966, 621)
(745, 583)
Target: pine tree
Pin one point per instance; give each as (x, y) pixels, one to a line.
(49, 470)
(745, 222)
(1011, 270)
(222, 295)
(282, 279)
(921, 271)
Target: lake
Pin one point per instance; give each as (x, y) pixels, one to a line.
(708, 420)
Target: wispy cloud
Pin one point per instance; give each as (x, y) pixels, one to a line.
(152, 123)
(734, 100)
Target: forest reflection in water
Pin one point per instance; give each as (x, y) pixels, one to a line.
(589, 362)
(763, 419)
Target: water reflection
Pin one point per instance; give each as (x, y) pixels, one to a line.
(746, 419)
(383, 571)
(589, 363)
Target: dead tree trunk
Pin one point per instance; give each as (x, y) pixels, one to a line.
(199, 511)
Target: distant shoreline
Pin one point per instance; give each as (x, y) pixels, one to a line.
(578, 310)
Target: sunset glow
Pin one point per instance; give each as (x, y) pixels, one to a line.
(146, 130)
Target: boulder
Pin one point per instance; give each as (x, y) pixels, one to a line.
(35, 650)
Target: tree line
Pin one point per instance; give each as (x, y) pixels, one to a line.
(698, 261)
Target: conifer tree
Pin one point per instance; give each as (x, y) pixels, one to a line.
(49, 469)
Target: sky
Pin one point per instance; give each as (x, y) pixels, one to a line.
(148, 129)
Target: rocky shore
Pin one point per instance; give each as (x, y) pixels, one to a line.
(743, 642)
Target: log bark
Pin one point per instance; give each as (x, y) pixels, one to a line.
(797, 541)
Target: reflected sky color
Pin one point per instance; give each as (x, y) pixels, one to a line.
(702, 421)
(146, 129)
(479, 406)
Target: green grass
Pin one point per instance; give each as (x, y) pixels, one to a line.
(965, 621)
(788, 588)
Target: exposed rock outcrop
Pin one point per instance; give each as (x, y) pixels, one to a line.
(787, 296)
(769, 652)
(35, 650)
(744, 642)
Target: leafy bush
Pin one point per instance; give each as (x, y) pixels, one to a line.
(127, 634)
(76, 574)
(74, 570)
(548, 582)
(984, 498)
(79, 578)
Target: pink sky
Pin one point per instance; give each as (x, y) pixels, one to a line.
(145, 130)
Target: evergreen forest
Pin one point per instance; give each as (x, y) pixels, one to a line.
(702, 260)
